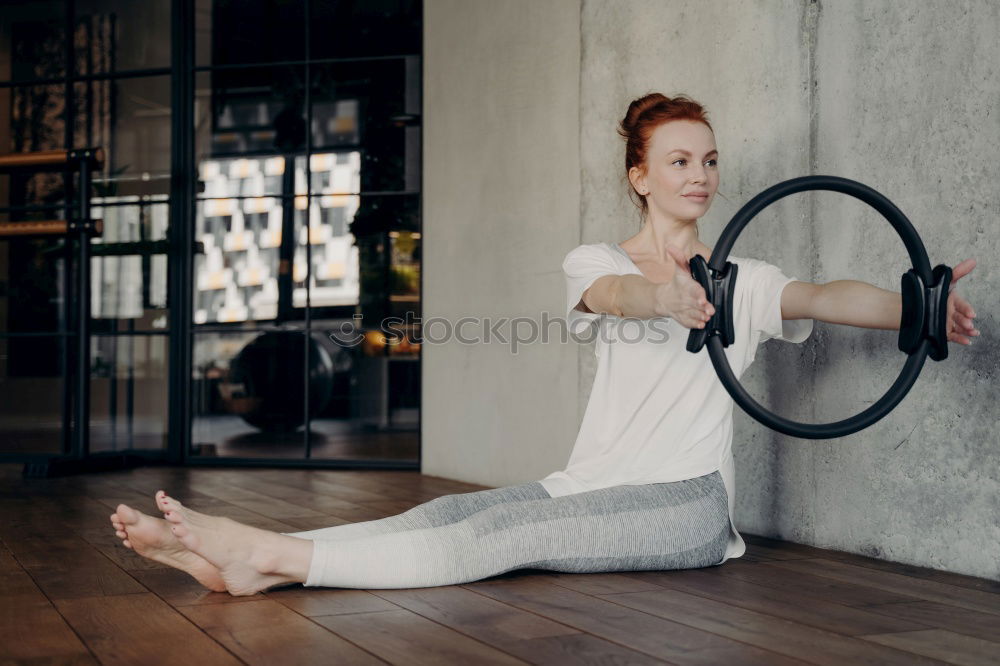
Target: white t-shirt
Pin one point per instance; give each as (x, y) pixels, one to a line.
(656, 411)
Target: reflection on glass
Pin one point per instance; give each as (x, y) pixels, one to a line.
(374, 104)
(237, 278)
(32, 40)
(404, 267)
(129, 264)
(256, 110)
(373, 412)
(237, 31)
(31, 296)
(130, 119)
(248, 392)
(349, 28)
(334, 277)
(128, 392)
(32, 118)
(31, 384)
(119, 35)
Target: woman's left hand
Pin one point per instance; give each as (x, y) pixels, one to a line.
(960, 312)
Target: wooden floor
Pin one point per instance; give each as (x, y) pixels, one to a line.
(70, 593)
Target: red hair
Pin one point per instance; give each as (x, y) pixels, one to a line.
(644, 115)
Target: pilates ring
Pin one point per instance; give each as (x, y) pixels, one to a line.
(923, 325)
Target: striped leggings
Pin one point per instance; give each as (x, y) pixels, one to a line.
(470, 536)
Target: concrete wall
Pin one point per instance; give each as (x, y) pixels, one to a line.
(501, 199)
(901, 96)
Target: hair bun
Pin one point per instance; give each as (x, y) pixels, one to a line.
(639, 106)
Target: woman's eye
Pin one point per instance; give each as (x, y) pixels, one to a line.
(676, 161)
(712, 162)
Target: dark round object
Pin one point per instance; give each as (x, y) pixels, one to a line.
(924, 297)
(271, 372)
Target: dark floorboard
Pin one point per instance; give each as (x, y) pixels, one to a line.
(71, 593)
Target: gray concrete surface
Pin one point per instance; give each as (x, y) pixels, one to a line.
(903, 96)
(501, 198)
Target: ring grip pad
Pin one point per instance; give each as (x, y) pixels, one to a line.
(925, 312)
(719, 289)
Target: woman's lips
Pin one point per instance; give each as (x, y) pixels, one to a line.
(696, 197)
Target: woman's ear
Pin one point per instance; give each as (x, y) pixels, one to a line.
(638, 180)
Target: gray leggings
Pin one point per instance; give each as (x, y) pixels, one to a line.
(470, 536)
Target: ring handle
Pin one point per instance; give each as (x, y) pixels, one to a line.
(923, 324)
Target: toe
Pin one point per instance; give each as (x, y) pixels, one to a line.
(161, 500)
(126, 514)
(121, 534)
(126, 543)
(171, 505)
(180, 531)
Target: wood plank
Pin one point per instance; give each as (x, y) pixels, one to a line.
(579, 649)
(783, 636)
(138, 628)
(926, 573)
(474, 614)
(603, 583)
(179, 589)
(31, 627)
(404, 487)
(402, 637)
(507, 628)
(806, 583)
(313, 602)
(317, 523)
(942, 616)
(265, 632)
(758, 552)
(659, 637)
(814, 611)
(944, 645)
(928, 590)
(66, 567)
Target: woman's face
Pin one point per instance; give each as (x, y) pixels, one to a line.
(681, 161)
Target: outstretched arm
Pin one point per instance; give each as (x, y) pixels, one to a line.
(861, 304)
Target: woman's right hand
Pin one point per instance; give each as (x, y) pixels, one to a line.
(683, 299)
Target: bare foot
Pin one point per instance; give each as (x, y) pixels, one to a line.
(151, 537)
(249, 559)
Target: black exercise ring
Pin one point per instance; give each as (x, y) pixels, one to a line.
(923, 326)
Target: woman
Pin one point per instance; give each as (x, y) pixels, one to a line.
(649, 484)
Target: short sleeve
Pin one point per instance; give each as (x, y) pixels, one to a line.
(582, 266)
(766, 284)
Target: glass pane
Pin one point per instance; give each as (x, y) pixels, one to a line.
(373, 409)
(32, 118)
(120, 35)
(128, 392)
(327, 254)
(248, 394)
(32, 40)
(129, 265)
(236, 276)
(347, 28)
(31, 286)
(249, 111)
(31, 383)
(235, 31)
(130, 119)
(389, 265)
(372, 106)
